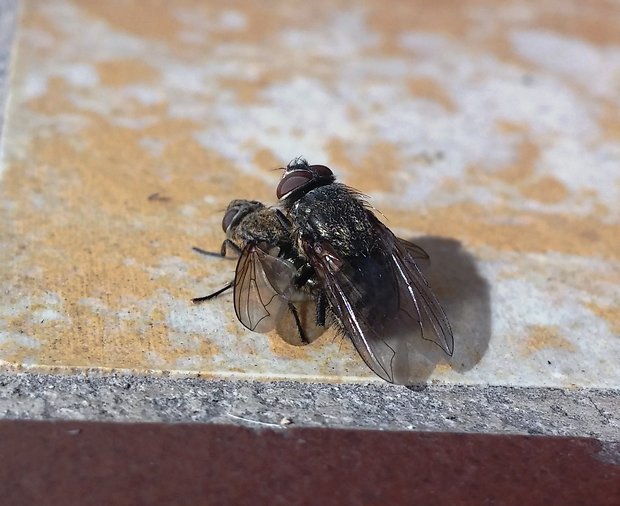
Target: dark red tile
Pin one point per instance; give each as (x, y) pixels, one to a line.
(144, 464)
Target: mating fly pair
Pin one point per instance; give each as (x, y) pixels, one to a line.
(325, 254)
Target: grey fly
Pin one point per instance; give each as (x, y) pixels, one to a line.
(273, 287)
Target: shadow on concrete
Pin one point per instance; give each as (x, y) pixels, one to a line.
(464, 295)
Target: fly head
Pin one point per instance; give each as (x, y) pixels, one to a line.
(236, 211)
(299, 178)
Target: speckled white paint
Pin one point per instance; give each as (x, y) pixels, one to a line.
(595, 168)
(596, 69)
(171, 267)
(484, 90)
(46, 314)
(18, 339)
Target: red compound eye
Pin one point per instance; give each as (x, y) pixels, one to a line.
(321, 171)
(228, 218)
(303, 177)
(292, 181)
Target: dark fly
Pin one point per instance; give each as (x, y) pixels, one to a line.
(372, 279)
(273, 286)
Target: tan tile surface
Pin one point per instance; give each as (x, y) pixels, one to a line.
(489, 129)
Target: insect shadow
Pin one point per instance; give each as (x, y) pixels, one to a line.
(465, 296)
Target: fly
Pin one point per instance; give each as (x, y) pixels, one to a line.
(371, 279)
(273, 287)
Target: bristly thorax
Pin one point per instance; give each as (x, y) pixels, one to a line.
(336, 214)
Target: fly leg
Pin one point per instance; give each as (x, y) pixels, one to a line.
(284, 221)
(222, 253)
(227, 243)
(207, 253)
(198, 300)
(303, 275)
(302, 334)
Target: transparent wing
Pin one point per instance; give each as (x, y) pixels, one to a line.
(260, 282)
(414, 253)
(266, 298)
(417, 300)
(383, 303)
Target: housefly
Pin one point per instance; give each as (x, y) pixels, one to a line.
(273, 286)
(371, 279)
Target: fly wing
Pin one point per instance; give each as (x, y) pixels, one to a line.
(261, 282)
(265, 297)
(383, 303)
(417, 300)
(414, 253)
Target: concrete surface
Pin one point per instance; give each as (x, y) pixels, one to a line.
(256, 404)
(493, 157)
(500, 159)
